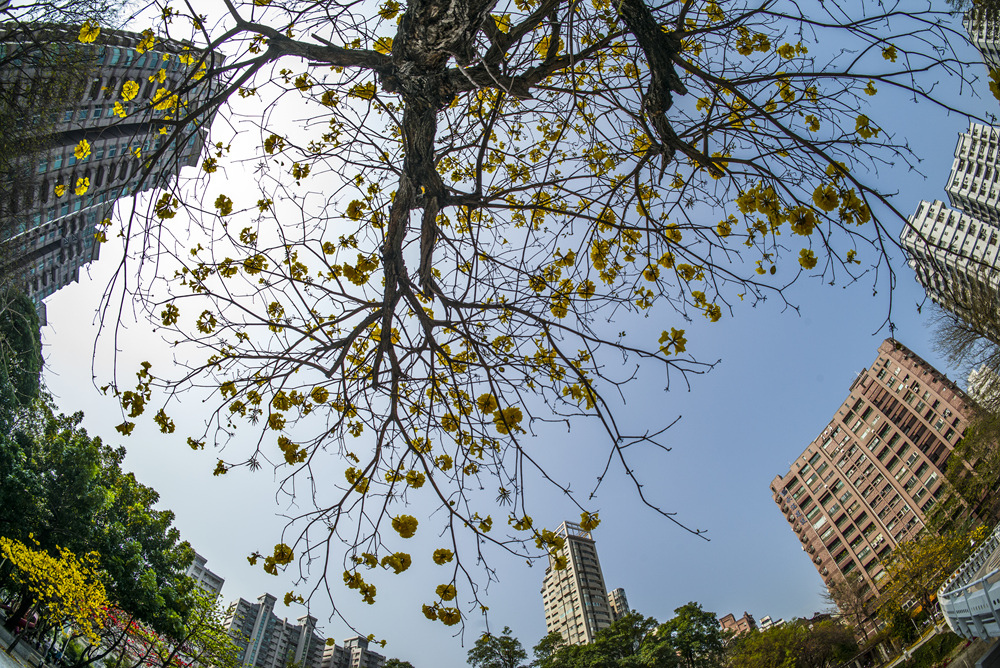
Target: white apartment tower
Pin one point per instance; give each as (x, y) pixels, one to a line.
(576, 604)
(974, 183)
(953, 254)
(982, 26)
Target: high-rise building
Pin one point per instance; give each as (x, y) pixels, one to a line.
(204, 578)
(984, 31)
(111, 102)
(867, 482)
(576, 605)
(618, 603)
(266, 641)
(954, 255)
(974, 183)
(354, 654)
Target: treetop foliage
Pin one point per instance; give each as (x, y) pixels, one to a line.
(443, 256)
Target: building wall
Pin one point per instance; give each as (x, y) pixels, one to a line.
(866, 483)
(203, 577)
(954, 255)
(744, 624)
(354, 654)
(974, 183)
(618, 603)
(982, 26)
(574, 598)
(269, 642)
(53, 236)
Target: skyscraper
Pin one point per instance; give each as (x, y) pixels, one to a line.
(576, 605)
(867, 482)
(111, 102)
(354, 654)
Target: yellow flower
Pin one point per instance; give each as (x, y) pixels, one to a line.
(507, 419)
(146, 43)
(487, 403)
(889, 53)
(82, 149)
(589, 521)
(443, 556)
(384, 45)
(415, 479)
(803, 220)
(449, 616)
(129, 90)
(405, 525)
(825, 197)
(82, 186)
(89, 32)
(807, 258)
(398, 562)
(446, 592)
(119, 110)
(224, 205)
(60, 190)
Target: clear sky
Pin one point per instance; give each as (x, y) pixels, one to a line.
(780, 379)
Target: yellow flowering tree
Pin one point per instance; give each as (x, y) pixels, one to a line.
(63, 590)
(473, 201)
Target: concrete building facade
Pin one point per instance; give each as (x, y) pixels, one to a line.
(203, 577)
(954, 255)
(868, 480)
(575, 599)
(266, 641)
(354, 654)
(984, 33)
(618, 603)
(740, 625)
(53, 228)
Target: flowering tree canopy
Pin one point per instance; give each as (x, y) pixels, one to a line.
(427, 267)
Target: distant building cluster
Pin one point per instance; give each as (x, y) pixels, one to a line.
(267, 641)
(744, 624)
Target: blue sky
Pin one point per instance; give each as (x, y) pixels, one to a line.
(780, 379)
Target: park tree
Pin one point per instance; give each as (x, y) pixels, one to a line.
(799, 644)
(450, 252)
(855, 600)
(61, 590)
(916, 569)
(65, 489)
(632, 641)
(397, 663)
(502, 651)
(695, 636)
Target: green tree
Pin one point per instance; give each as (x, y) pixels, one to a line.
(799, 644)
(66, 489)
(397, 663)
(696, 637)
(497, 188)
(502, 651)
(632, 641)
(916, 569)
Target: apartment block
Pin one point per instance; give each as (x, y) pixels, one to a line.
(49, 227)
(618, 603)
(868, 480)
(203, 577)
(984, 31)
(354, 654)
(954, 255)
(575, 599)
(738, 626)
(266, 641)
(974, 183)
